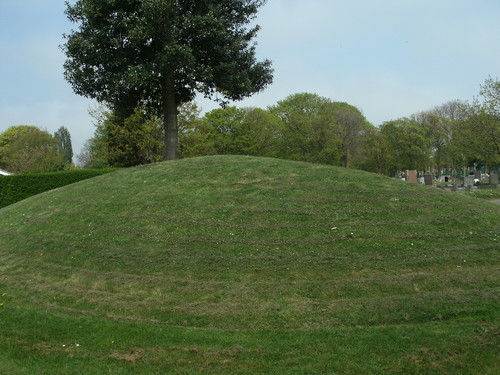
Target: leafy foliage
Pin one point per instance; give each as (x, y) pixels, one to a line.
(405, 145)
(132, 141)
(304, 137)
(350, 127)
(308, 127)
(64, 138)
(158, 53)
(16, 188)
(27, 149)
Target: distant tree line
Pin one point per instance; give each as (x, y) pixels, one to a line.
(312, 128)
(28, 149)
(301, 127)
(449, 138)
(146, 60)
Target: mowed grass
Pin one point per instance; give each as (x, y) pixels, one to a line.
(243, 265)
(489, 193)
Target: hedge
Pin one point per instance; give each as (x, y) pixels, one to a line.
(19, 187)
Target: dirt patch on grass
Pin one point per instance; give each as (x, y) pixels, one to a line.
(130, 355)
(456, 358)
(47, 349)
(248, 182)
(185, 355)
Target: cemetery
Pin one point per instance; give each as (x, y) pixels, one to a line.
(477, 180)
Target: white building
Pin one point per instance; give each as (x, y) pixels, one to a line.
(5, 173)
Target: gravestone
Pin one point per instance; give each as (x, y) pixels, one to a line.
(477, 174)
(411, 176)
(494, 179)
(459, 181)
(469, 181)
(428, 179)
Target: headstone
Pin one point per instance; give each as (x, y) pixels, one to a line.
(469, 181)
(459, 181)
(411, 176)
(477, 174)
(428, 179)
(420, 180)
(494, 179)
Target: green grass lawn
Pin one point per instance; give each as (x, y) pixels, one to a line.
(489, 193)
(244, 265)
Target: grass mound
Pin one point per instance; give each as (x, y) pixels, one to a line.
(247, 265)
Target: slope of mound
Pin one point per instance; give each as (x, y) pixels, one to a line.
(232, 243)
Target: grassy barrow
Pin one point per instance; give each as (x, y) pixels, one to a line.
(247, 265)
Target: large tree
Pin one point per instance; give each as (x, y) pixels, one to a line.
(27, 149)
(490, 92)
(476, 133)
(438, 135)
(305, 133)
(349, 125)
(405, 145)
(134, 140)
(159, 53)
(64, 138)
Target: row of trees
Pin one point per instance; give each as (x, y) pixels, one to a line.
(452, 137)
(301, 127)
(312, 128)
(146, 59)
(28, 149)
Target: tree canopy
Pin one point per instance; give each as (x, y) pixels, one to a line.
(27, 149)
(444, 140)
(159, 53)
(64, 138)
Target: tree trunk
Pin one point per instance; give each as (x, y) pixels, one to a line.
(170, 125)
(345, 149)
(346, 158)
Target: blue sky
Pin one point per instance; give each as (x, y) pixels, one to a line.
(389, 58)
